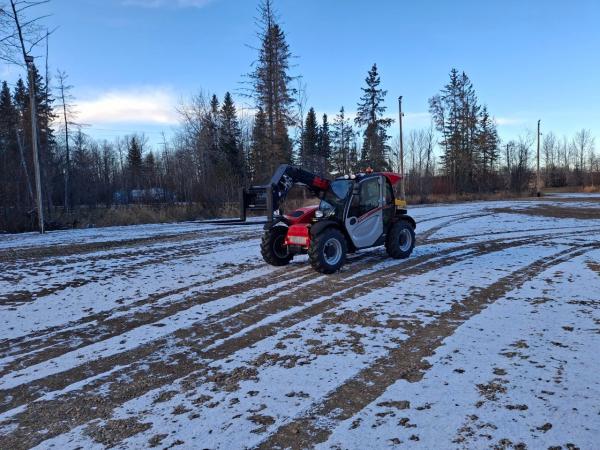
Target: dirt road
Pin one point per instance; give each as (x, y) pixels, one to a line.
(179, 336)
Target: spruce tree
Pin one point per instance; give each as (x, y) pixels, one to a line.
(134, 162)
(229, 140)
(9, 167)
(324, 151)
(259, 148)
(455, 113)
(272, 91)
(342, 135)
(487, 148)
(149, 171)
(370, 115)
(309, 142)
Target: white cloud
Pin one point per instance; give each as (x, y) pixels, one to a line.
(167, 3)
(134, 106)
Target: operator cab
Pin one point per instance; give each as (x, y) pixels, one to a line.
(333, 203)
(364, 204)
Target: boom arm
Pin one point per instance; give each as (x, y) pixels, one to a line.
(270, 196)
(287, 176)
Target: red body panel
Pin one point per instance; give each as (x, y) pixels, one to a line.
(392, 177)
(302, 215)
(298, 235)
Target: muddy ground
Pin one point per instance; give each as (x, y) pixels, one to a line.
(179, 336)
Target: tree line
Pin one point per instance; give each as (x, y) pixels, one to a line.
(221, 146)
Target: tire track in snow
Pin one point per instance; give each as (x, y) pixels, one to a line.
(97, 327)
(241, 316)
(404, 362)
(150, 257)
(102, 326)
(153, 373)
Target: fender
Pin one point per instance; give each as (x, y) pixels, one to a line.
(406, 218)
(277, 222)
(321, 225)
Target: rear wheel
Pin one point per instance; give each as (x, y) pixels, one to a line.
(327, 252)
(400, 240)
(273, 248)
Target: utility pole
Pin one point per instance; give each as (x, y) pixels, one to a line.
(538, 184)
(34, 142)
(402, 186)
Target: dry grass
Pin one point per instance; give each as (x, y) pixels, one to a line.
(461, 198)
(131, 215)
(591, 189)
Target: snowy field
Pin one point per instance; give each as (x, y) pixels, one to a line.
(179, 336)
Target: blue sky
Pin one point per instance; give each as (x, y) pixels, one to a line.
(133, 61)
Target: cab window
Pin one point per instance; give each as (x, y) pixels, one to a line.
(389, 193)
(367, 199)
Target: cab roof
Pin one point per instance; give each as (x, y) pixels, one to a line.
(392, 177)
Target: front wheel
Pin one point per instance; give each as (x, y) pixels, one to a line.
(327, 252)
(400, 240)
(273, 248)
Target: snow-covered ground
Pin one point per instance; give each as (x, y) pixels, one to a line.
(178, 335)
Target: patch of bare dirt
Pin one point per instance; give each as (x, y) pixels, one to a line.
(363, 317)
(114, 431)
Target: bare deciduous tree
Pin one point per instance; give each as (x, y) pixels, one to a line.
(20, 34)
(68, 113)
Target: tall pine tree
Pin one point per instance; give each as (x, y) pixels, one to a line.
(456, 115)
(258, 149)
(229, 141)
(134, 162)
(272, 91)
(324, 148)
(487, 150)
(9, 159)
(309, 142)
(342, 135)
(370, 115)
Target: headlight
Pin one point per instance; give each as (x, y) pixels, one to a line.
(319, 214)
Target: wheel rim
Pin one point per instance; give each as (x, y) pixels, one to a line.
(332, 251)
(279, 249)
(405, 240)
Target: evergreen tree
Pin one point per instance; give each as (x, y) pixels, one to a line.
(83, 176)
(259, 148)
(23, 181)
(324, 151)
(342, 135)
(309, 142)
(272, 92)
(149, 170)
(134, 162)
(455, 113)
(229, 140)
(8, 150)
(370, 114)
(487, 149)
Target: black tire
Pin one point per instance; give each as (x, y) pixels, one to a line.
(400, 240)
(272, 247)
(327, 252)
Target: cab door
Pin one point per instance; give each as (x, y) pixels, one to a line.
(364, 220)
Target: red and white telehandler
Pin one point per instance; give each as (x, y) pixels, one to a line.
(355, 212)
